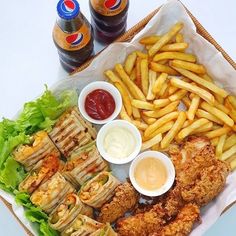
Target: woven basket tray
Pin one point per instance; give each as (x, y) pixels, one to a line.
(126, 38)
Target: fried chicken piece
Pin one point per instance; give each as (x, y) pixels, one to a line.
(195, 150)
(142, 224)
(208, 185)
(199, 174)
(125, 198)
(183, 223)
(170, 203)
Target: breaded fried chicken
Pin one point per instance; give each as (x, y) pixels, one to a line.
(169, 203)
(208, 184)
(125, 198)
(182, 224)
(200, 175)
(142, 224)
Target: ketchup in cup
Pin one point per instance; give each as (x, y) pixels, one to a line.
(99, 104)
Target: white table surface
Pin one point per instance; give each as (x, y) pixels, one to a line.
(28, 57)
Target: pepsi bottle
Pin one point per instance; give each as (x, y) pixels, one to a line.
(72, 35)
(108, 18)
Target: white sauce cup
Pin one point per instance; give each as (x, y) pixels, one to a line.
(115, 124)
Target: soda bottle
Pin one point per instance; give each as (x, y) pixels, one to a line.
(72, 35)
(108, 18)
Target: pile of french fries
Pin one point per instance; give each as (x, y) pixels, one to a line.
(168, 96)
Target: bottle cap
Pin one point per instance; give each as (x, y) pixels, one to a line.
(68, 9)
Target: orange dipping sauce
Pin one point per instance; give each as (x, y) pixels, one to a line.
(150, 173)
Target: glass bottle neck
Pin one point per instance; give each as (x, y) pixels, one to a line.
(70, 26)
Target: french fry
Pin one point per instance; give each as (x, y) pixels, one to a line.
(158, 103)
(174, 130)
(159, 83)
(197, 79)
(151, 142)
(136, 113)
(172, 90)
(159, 113)
(219, 99)
(218, 113)
(140, 125)
(152, 78)
(168, 117)
(204, 114)
(179, 38)
(144, 76)
(229, 142)
(196, 68)
(148, 46)
(221, 107)
(194, 89)
(124, 115)
(130, 62)
(191, 128)
(187, 123)
(141, 54)
(207, 78)
(162, 69)
(228, 153)
(174, 55)
(132, 87)
(165, 38)
(217, 132)
(163, 93)
(133, 74)
(193, 107)
(125, 98)
(178, 95)
(163, 62)
(148, 120)
(233, 164)
(155, 147)
(138, 72)
(161, 130)
(186, 101)
(149, 39)
(113, 77)
(220, 145)
(214, 141)
(143, 105)
(174, 47)
(232, 100)
(205, 128)
(232, 112)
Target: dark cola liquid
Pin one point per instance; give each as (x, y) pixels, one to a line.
(70, 60)
(108, 28)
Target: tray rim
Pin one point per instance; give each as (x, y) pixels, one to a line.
(126, 37)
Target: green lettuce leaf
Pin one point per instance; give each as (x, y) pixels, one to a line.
(40, 114)
(12, 174)
(9, 144)
(46, 230)
(35, 214)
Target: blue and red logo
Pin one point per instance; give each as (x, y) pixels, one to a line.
(112, 4)
(68, 6)
(74, 39)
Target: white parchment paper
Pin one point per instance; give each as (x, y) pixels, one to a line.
(217, 67)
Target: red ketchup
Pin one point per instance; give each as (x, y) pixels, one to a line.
(99, 104)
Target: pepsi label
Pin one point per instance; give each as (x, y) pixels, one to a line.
(109, 7)
(72, 41)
